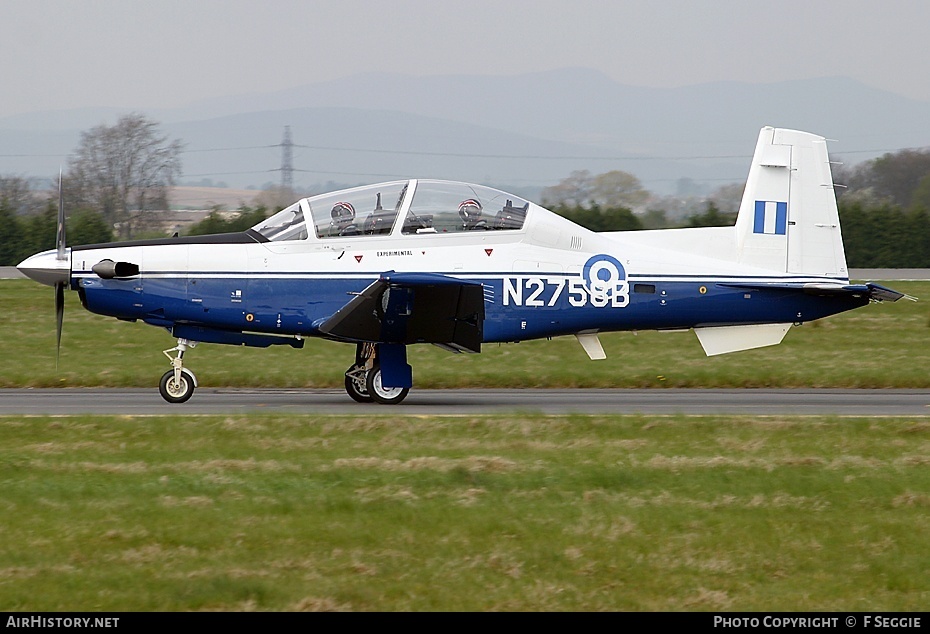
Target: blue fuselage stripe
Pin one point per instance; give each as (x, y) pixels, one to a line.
(517, 307)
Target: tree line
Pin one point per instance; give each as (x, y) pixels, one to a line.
(120, 174)
(116, 177)
(22, 236)
(876, 235)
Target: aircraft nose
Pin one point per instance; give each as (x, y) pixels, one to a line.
(46, 268)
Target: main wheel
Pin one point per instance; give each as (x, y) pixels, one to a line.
(357, 385)
(381, 394)
(176, 391)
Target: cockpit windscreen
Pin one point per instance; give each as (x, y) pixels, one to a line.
(363, 211)
(287, 224)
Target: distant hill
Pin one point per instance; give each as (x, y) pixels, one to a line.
(520, 132)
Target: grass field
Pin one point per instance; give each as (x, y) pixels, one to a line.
(524, 513)
(882, 345)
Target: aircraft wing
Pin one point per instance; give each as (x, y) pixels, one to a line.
(408, 308)
(875, 292)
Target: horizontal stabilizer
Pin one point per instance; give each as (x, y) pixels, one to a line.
(723, 339)
(406, 308)
(881, 293)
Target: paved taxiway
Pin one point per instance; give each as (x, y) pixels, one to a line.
(451, 402)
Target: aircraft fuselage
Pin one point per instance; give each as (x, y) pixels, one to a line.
(529, 292)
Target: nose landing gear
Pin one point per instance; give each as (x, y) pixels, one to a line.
(177, 385)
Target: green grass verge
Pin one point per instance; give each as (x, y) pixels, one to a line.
(882, 345)
(627, 513)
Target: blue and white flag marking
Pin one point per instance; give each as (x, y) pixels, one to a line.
(771, 218)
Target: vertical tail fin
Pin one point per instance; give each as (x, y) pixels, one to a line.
(788, 221)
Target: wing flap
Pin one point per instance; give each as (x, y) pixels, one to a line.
(409, 308)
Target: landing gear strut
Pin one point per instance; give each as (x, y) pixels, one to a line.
(363, 379)
(357, 374)
(177, 385)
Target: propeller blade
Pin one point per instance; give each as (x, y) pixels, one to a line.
(60, 238)
(59, 317)
(60, 286)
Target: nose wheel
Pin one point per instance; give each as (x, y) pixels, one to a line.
(177, 385)
(176, 389)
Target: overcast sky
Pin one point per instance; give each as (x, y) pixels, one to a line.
(57, 54)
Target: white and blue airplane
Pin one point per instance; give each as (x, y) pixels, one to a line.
(457, 265)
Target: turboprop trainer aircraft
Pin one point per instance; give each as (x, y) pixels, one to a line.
(457, 265)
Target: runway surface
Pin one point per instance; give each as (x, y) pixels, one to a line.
(464, 402)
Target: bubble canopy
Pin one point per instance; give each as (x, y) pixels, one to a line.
(426, 207)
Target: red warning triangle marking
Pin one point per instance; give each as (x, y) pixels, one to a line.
(358, 258)
(488, 251)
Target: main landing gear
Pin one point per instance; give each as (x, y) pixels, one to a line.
(363, 379)
(177, 385)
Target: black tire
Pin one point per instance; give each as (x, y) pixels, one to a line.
(176, 393)
(357, 388)
(384, 395)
